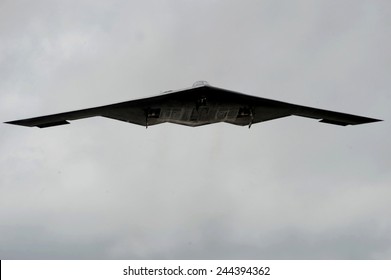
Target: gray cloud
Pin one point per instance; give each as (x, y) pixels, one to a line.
(100, 189)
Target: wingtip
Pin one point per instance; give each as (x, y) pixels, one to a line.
(30, 123)
(367, 120)
(374, 120)
(12, 122)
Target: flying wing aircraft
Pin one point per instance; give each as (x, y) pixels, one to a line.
(199, 105)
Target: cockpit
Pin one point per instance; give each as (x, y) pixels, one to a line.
(200, 83)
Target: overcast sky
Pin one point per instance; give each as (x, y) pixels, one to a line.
(291, 188)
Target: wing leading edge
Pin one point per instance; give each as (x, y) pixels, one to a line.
(196, 106)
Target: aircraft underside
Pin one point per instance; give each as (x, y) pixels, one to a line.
(199, 105)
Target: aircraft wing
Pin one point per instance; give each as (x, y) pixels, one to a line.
(264, 109)
(270, 109)
(130, 111)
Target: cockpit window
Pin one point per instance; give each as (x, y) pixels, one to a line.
(200, 83)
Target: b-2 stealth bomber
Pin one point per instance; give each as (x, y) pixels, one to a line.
(198, 105)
